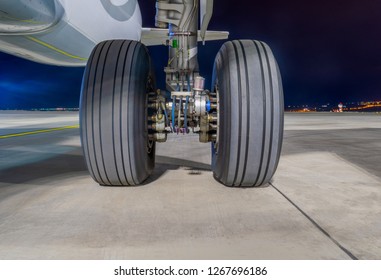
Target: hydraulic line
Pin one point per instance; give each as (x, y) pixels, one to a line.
(173, 113)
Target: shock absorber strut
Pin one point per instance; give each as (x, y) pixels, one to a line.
(190, 107)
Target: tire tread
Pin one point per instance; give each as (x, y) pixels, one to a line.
(111, 95)
(251, 137)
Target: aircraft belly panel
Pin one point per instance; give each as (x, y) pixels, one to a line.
(65, 46)
(18, 17)
(100, 21)
(64, 32)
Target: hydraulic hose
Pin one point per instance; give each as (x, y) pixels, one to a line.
(173, 113)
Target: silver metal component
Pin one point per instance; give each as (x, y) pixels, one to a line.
(160, 126)
(181, 33)
(168, 12)
(153, 106)
(204, 130)
(181, 93)
(158, 137)
(217, 118)
(213, 118)
(169, 106)
(213, 126)
(181, 17)
(157, 118)
(206, 12)
(162, 9)
(200, 105)
(179, 113)
(158, 122)
(199, 84)
(191, 108)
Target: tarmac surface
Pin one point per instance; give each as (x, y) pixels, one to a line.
(323, 203)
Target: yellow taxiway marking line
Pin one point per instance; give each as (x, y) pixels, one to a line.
(38, 131)
(54, 48)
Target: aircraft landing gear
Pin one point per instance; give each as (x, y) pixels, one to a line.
(123, 116)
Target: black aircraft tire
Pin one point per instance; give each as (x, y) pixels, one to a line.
(251, 114)
(113, 114)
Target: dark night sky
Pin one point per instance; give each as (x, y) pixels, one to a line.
(328, 51)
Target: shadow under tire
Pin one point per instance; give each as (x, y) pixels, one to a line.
(113, 114)
(251, 114)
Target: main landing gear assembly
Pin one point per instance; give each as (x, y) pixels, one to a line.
(123, 115)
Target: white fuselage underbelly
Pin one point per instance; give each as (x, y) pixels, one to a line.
(79, 27)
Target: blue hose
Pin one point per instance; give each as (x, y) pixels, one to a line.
(189, 87)
(173, 112)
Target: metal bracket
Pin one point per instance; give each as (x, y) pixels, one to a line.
(206, 15)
